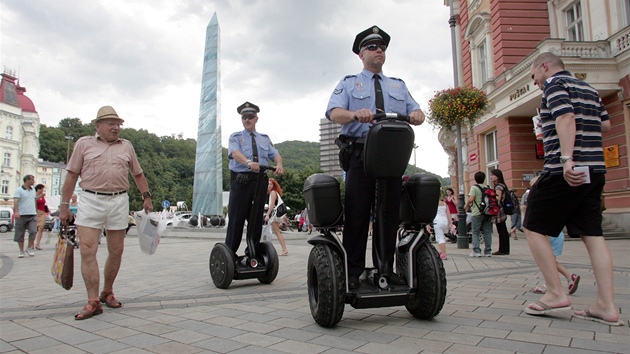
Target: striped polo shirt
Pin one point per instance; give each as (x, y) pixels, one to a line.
(562, 94)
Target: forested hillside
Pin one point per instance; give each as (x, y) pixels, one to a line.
(169, 161)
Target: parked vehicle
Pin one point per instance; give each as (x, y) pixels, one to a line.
(6, 220)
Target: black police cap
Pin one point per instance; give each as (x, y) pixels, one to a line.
(247, 108)
(372, 34)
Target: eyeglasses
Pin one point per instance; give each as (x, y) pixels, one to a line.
(373, 47)
(248, 117)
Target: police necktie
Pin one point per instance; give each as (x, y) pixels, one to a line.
(378, 94)
(254, 149)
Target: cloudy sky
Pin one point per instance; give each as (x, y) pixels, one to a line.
(145, 58)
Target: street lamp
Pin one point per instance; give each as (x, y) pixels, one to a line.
(462, 237)
(68, 139)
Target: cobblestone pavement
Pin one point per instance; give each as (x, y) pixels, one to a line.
(172, 306)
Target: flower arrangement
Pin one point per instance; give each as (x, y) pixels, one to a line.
(461, 104)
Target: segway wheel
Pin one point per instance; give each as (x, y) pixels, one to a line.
(270, 257)
(326, 281)
(222, 265)
(428, 298)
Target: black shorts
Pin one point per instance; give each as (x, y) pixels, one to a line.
(553, 204)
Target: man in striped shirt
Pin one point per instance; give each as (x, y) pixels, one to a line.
(569, 190)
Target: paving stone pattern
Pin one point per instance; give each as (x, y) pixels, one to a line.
(172, 306)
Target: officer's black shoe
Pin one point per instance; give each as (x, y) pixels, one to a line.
(353, 282)
(395, 279)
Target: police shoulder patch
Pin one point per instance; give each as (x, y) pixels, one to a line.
(338, 91)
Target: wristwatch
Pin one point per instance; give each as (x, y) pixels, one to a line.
(146, 195)
(564, 159)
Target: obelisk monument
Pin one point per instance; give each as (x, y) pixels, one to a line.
(207, 189)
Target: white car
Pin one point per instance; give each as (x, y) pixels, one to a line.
(180, 218)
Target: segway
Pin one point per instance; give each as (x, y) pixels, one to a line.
(388, 146)
(262, 260)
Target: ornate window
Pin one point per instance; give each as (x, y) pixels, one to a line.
(8, 134)
(7, 159)
(5, 186)
(575, 26)
(479, 35)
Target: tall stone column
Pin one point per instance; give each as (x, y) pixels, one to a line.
(207, 189)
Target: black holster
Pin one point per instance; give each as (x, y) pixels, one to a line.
(348, 146)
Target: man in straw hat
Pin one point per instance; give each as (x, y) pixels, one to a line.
(353, 104)
(103, 162)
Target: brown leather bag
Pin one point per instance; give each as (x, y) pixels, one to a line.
(63, 264)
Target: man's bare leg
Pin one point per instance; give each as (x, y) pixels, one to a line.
(601, 261)
(543, 255)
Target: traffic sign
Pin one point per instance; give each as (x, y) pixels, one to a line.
(166, 204)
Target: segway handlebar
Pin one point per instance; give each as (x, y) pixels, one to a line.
(403, 117)
(263, 168)
(380, 116)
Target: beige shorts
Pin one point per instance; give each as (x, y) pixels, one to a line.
(279, 220)
(98, 211)
(41, 219)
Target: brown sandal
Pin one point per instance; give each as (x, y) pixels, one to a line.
(92, 308)
(107, 297)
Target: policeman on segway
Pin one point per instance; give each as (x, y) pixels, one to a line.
(249, 152)
(353, 104)
(374, 151)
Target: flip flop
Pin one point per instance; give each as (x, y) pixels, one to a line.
(546, 309)
(587, 315)
(284, 253)
(573, 283)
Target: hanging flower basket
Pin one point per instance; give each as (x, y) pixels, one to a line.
(461, 104)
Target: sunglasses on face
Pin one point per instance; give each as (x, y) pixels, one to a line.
(248, 117)
(373, 47)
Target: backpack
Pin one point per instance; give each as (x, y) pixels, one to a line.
(489, 205)
(510, 202)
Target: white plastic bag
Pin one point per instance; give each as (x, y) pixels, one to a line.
(151, 226)
(267, 233)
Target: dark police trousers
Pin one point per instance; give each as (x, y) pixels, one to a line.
(239, 209)
(358, 204)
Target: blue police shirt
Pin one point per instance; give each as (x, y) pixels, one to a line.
(355, 92)
(242, 142)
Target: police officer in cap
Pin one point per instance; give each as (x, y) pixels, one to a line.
(247, 150)
(353, 104)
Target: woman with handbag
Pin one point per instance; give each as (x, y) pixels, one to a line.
(42, 212)
(275, 212)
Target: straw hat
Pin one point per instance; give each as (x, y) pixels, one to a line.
(106, 112)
